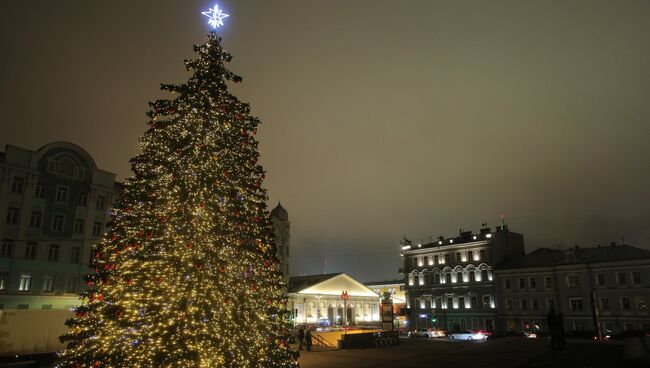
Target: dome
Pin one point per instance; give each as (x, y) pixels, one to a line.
(280, 212)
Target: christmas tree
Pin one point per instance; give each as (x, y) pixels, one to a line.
(187, 275)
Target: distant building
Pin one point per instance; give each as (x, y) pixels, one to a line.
(450, 282)
(332, 299)
(396, 290)
(282, 233)
(55, 202)
(599, 289)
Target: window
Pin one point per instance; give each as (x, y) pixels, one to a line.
(461, 302)
(83, 199)
(506, 283)
(534, 304)
(35, 219)
(97, 228)
(58, 221)
(620, 278)
(482, 253)
(636, 278)
(458, 260)
(39, 192)
(71, 285)
(25, 282)
(524, 304)
(472, 276)
(4, 279)
(469, 255)
(522, 283)
(575, 305)
(641, 303)
(12, 216)
(532, 282)
(625, 303)
(509, 304)
(486, 301)
(48, 284)
(484, 275)
(435, 259)
(450, 303)
(548, 282)
(550, 304)
(600, 279)
(30, 251)
(100, 203)
(53, 253)
(573, 280)
(79, 226)
(17, 185)
(447, 258)
(75, 255)
(604, 304)
(6, 248)
(62, 194)
(474, 302)
(79, 172)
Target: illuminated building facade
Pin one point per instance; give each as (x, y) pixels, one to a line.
(450, 282)
(602, 290)
(319, 300)
(397, 295)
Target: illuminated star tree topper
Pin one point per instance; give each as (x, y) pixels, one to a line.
(216, 16)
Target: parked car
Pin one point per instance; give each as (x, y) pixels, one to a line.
(427, 333)
(468, 336)
(524, 334)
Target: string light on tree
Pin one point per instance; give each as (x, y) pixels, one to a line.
(216, 16)
(186, 276)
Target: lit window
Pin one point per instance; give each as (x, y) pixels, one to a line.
(48, 284)
(25, 283)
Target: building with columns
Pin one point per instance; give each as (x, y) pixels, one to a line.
(319, 300)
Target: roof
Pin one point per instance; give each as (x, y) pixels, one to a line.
(332, 284)
(385, 282)
(543, 257)
(298, 283)
(280, 212)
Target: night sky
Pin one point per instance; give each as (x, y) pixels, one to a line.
(380, 118)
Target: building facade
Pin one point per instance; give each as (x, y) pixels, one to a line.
(55, 204)
(602, 290)
(332, 299)
(397, 295)
(450, 282)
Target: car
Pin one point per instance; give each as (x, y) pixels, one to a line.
(525, 334)
(437, 333)
(421, 332)
(468, 335)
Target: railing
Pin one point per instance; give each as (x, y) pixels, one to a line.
(319, 340)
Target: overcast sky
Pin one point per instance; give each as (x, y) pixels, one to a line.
(380, 118)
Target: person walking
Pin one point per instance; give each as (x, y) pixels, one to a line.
(301, 338)
(551, 322)
(308, 339)
(561, 344)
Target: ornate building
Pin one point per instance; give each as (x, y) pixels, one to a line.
(450, 282)
(55, 202)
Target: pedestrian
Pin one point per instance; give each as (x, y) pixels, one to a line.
(301, 337)
(551, 321)
(308, 339)
(561, 345)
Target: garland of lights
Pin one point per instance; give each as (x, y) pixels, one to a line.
(187, 276)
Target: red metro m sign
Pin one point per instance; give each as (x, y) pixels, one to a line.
(344, 295)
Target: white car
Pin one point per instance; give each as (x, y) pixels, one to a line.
(468, 336)
(426, 333)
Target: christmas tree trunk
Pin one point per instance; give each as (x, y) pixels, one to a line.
(187, 275)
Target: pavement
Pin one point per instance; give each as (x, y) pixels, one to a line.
(501, 353)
